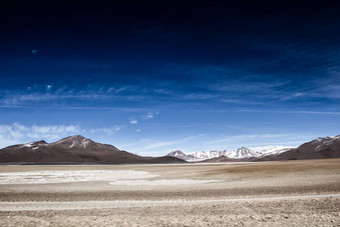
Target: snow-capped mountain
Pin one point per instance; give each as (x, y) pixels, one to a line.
(244, 152)
(240, 153)
(181, 155)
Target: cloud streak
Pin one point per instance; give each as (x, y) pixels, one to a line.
(291, 112)
(162, 144)
(106, 130)
(245, 90)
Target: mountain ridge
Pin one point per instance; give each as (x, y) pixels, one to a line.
(241, 153)
(322, 147)
(80, 150)
(74, 150)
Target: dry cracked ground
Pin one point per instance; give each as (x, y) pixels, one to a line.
(285, 193)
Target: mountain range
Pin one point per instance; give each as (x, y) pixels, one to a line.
(80, 150)
(74, 150)
(322, 147)
(240, 154)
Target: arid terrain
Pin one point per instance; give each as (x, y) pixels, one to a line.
(283, 193)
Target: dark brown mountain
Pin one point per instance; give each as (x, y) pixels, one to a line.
(74, 150)
(326, 147)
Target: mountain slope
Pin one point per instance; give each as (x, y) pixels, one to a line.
(73, 150)
(327, 147)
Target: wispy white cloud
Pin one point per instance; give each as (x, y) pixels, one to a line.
(292, 111)
(247, 86)
(126, 109)
(50, 95)
(22, 99)
(197, 96)
(159, 144)
(233, 142)
(150, 115)
(133, 122)
(106, 130)
(120, 89)
(293, 96)
(246, 138)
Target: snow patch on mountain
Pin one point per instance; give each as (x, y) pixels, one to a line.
(27, 145)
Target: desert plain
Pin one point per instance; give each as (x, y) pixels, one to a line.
(281, 193)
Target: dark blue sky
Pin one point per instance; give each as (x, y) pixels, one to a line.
(153, 76)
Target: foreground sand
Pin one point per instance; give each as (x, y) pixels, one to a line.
(290, 193)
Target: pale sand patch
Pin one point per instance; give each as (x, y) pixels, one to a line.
(161, 182)
(121, 178)
(72, 176)
(87, 205)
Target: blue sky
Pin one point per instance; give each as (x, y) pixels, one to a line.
(154, 77)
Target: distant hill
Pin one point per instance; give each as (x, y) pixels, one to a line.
(226, 159)
(322, 147)
(74, 150)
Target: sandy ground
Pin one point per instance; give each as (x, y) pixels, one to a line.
(288, 193)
